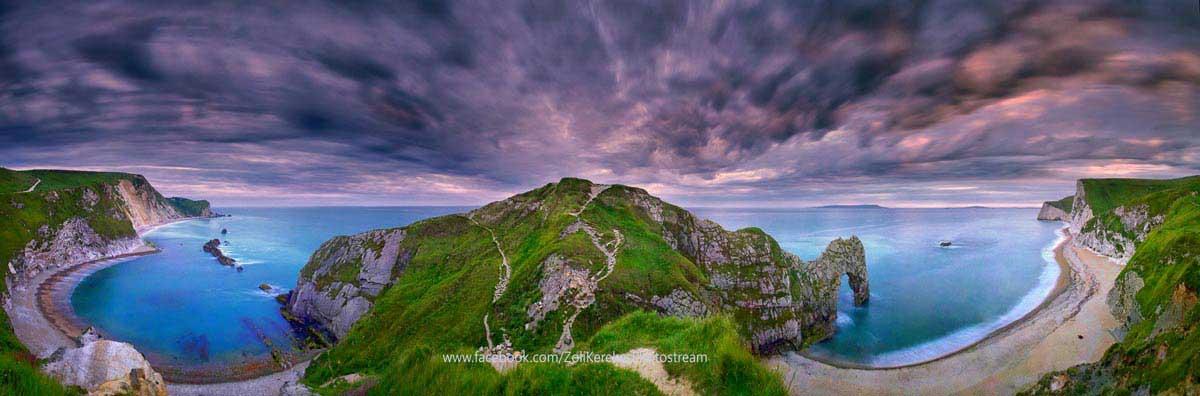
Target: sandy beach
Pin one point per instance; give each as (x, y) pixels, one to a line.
(1072, 326)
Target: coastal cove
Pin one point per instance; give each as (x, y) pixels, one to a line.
(137, 300)
(218, 325)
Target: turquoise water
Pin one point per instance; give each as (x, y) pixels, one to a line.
(181, 308)
(926, 300)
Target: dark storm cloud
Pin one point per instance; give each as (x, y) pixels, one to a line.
(755, 100)
(123, 51)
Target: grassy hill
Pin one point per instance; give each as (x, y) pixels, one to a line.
(446, 293)
(1160, 353)
(13, 181)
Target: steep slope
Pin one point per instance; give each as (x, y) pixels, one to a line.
(543, 271)
(1059, 210)
(69, 217)
(1155, 225)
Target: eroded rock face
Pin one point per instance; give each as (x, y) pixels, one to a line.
(1118, 244)
(1051, 213)
(334, 303)
(106, 367)
(74, 242)
(753, 278)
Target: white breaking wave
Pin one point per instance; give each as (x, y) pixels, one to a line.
(963, 338)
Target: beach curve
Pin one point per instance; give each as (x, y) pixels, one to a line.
(1070, 327)
(47, 323)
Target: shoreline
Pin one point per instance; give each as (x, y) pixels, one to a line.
(1070, 327)
(48, 322)
(1060, 286)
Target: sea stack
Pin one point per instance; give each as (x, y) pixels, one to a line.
(214, 247)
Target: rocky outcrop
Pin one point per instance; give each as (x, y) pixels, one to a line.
(1122, 300)
(73, 242)
(780, 300)
(1050, 212)
(786, 302)
(213, 247)
(85, 223)
(341, 280)
(106, 367)
(1117, 241)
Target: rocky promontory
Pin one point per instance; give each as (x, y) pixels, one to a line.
(106, 367)
(603, 250)
(1059, 210)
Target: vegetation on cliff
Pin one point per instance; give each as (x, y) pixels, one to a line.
(1062, 204)
(1156, 293)
(571, 266)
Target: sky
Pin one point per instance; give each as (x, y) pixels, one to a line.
(703, 103)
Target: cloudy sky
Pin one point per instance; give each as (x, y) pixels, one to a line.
(723, 103)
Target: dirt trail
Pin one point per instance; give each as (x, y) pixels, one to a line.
(35, 184)
(645, 362)
(505, 270)
(586, 294)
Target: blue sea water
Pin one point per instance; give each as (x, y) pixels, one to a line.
(182, 308)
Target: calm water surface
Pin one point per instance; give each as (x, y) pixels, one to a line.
(181, 307)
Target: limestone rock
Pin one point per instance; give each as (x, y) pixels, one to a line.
(106, 367)
(334, 304)
(1051, 213)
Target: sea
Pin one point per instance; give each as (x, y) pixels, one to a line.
(181, 308)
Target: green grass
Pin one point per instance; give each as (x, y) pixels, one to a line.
(729, 370)
(19, 374)
(1063, 204)
(188, 207)
(14, 181)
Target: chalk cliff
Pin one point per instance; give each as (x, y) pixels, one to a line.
(1153, 227)
(1059, 210)
(92, 218)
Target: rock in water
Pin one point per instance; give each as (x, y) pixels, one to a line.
(265, 287)
(214, 247)
(107, 368)
(224, 231)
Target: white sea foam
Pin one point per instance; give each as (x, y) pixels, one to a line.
(843, 319)
(965, 337)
